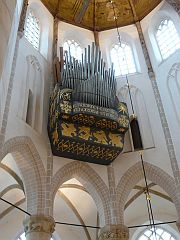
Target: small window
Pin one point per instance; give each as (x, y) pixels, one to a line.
(167, 38)
(123, 59)
(73, 48)
(161, 234)
(32, 30)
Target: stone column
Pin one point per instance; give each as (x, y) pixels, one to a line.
(39, 227)
(114, 232)
(116, 217)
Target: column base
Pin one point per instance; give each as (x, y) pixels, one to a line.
(114, 232)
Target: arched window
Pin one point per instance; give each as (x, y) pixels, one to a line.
(32, 30)
(161, 234)
(167, 38)
(73, 48)
(22, 237)
(123, 59)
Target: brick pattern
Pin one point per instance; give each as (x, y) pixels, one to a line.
(134, 174)
(90, 180)
(32, 171)
(113, 196)
(49, 174)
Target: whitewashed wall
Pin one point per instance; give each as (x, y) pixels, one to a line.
(168, 78)
(33, 73)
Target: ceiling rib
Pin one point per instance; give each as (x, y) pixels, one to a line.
(75, 211)
(9, 188)
(141, 191)
(9, 209)
(13, 174)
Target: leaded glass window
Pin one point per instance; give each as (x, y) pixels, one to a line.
(73, 48)
(123, 59)
(167, 38)
(161, 234)
(32, 30)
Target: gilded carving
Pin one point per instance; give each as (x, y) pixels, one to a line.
(55, 136)
(68, 129)
(85, 133)
(72, 147)
(100, 137)
(115, 140)
(66, 106)
(123, 108)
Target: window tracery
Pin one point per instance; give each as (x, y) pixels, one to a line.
(32, 30)
(123, 59)
(161, 234)
(167, 38)
(72, 47)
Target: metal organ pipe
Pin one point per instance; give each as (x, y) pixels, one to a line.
(90, 81)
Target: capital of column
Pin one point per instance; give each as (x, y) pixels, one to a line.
(114, 232)
(178, 225)
(40, 224)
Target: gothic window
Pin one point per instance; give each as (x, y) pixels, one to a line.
(73, 48)
(161, 234)
(167, 38)
(123, 59)
(32, 30)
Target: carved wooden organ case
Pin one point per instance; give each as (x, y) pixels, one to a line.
(86, 120)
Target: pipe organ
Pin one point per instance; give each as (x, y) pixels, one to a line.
(86, 120)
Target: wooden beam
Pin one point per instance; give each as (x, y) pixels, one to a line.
(79, 16)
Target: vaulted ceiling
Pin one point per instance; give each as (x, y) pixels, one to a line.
(99, 14)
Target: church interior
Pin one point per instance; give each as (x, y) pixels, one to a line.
(90, 150)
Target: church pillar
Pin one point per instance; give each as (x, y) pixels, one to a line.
(114, 232)
(39, 227)
(116, 217)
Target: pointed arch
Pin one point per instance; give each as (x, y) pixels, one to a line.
(32, 171)
(90, 180)
(155, 174)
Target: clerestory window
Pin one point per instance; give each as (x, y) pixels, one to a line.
(167, 38)
(73, 48)
(161, 234)
(32, 30)
(123, 59)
